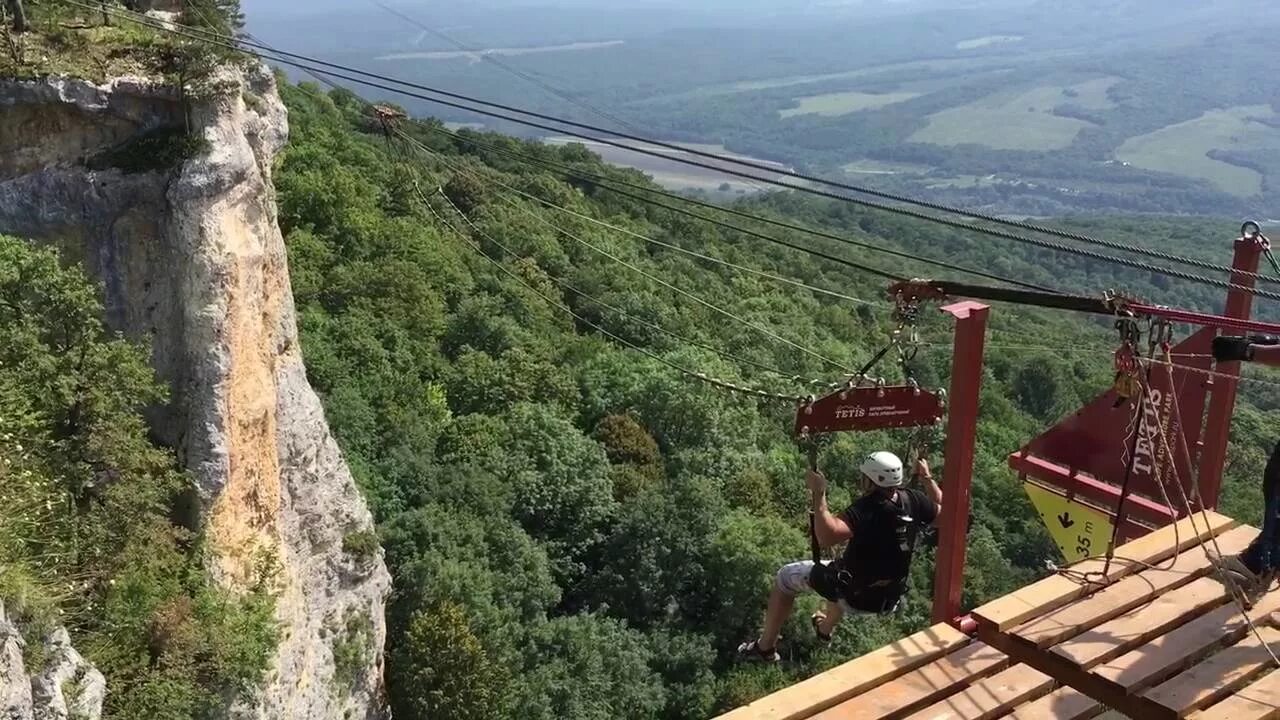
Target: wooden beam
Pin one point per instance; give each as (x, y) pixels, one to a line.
(922, 687)
(811, 696)
(1073, 667)
(1170, 653)
(1215, 678)
(990, 698)
(1062, 704)
(1053, 592)
(1112, 639)
(1259, 701)
(1123, 596)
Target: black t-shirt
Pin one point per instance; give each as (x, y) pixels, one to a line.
(882, 542)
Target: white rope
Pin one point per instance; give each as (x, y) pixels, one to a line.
(1237, 595)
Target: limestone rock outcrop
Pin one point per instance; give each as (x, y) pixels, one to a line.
(192, 261)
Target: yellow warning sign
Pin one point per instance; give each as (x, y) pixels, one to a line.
(1079, 530)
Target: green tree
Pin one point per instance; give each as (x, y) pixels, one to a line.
(590, 668)
(441, 670)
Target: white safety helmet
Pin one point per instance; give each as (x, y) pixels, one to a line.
(884, 469)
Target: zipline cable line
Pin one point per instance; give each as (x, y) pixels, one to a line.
(610, 184)
(685, 293)
(893, 197)
(616, 310)
(798, 379)
(530, 76)
(238, 44)
(683, 250)
(146, 20)
(702, 377)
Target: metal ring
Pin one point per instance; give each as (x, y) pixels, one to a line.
(1250, 230)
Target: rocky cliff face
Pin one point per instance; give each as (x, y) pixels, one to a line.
(65, 687)
(193, 261)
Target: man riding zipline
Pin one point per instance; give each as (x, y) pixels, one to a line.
(1255, 568)
(871, 577)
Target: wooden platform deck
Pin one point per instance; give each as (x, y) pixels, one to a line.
(1162, 639)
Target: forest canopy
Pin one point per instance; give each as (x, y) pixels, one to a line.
(575, 528)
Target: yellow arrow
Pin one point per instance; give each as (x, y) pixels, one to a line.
(1079, 530)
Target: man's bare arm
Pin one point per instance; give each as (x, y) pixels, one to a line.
(930, 487)
(829, 529)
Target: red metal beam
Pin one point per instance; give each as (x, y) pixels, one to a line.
(1105, 494)
(962, 430)
(1216, 321)
(1222, 402)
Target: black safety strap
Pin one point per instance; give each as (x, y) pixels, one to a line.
(814, 548)
(872, 362)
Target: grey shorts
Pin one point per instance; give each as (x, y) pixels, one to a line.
(793, 579)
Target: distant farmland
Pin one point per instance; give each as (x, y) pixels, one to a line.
(1018, 121)
(843, 103)
(1183, 149)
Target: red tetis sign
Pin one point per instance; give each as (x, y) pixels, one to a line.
(869, 408)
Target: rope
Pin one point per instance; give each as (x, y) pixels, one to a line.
(1213, 373)
(1237, 594)
(1124, 485)
(611, 184)
(816, 253)
(893, 197)
(654, 241)
(691, 253)
(239, 45)
(692, 296)
(653, 326)
(702, 377)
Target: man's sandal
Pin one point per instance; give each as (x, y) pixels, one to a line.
(751, 651)
(816, 621)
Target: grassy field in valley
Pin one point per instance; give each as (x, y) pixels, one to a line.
(1020, 120)
(843, 103)
(1182, 149)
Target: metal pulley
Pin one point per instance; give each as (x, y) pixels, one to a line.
(1127, 362)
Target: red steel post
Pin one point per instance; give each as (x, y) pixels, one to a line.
(962, 430)
(1222, 401)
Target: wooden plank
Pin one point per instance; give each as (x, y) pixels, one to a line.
(1216, 677)
(1062, 704)
(815, 694)
(1053, 592)
(1259, 701)
(1136, 627)
(1127, 594)
(1169, 653)
(990, 698)
(922, 687)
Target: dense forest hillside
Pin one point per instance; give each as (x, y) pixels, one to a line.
(575, 528)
